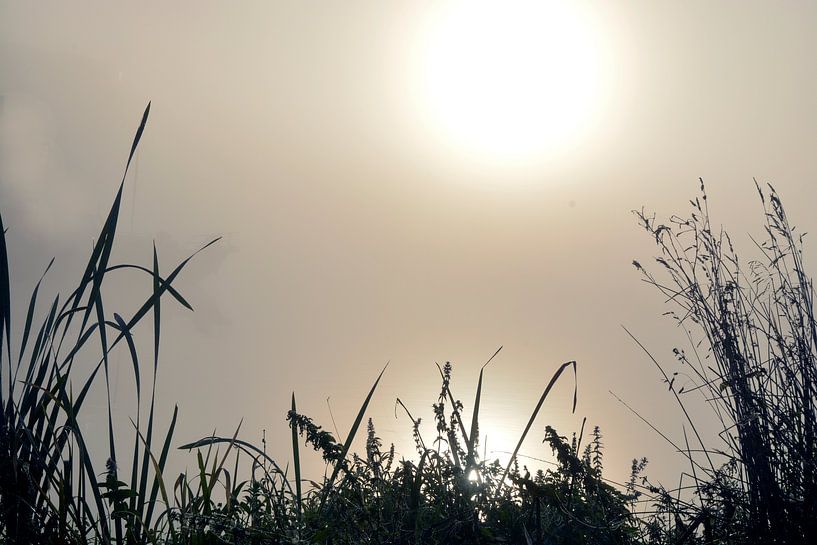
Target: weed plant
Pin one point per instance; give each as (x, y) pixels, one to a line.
(753, 341)
(51, 488)
(753, 344)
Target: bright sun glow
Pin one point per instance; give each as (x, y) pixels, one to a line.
(510, 79)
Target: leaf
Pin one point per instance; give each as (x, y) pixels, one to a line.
(472, 436)
(544, 395)
(351, 437)
(297, 459)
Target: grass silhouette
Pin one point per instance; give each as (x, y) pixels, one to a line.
(753, 339)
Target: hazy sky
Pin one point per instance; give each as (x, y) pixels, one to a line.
(385, 194)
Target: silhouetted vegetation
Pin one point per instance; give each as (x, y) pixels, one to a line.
(753, 342)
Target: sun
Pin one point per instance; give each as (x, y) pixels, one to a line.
(511, 79)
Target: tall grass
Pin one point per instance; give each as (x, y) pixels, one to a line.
(753, 342)
(52, 489)
(446, 494)
(55, 489)
(752, 357)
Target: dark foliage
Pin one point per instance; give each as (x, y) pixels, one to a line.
(753, 344)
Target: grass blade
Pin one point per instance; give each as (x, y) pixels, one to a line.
(158, 468)
(472, 436)
(297, 460)
(349, 438)
(544, 395)
(30, 314)
(5, 308)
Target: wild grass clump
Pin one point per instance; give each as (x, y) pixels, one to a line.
(447, 493)
(53, 489)
(753, 359)
(753, 347)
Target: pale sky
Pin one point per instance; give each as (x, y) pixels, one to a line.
(365, 222)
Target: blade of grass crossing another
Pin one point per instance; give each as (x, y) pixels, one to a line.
(158, 468)
(97, 264)
(158, 482)
(156, 297)
(349, 438)
(30, 314)
(123, 327)
(249, 448)
(542, 398)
